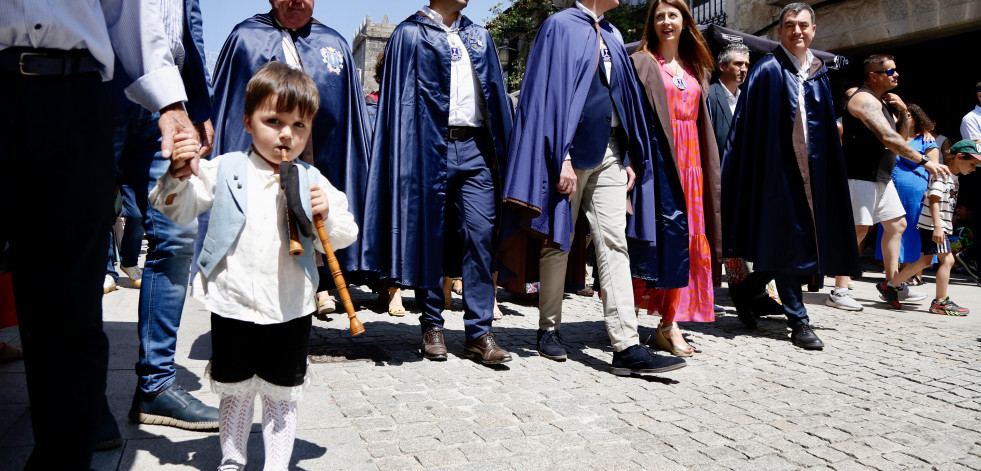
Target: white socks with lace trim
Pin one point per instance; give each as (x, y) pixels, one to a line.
(278, 432)
(235, 423)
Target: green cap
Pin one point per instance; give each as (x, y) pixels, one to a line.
(967, 146)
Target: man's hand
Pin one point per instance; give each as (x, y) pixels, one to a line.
(631, 177)
(318, 201)
(567, 180)
(937, 169)
(174, 121)
(207, 134)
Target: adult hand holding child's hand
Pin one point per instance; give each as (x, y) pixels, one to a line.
(185, 150)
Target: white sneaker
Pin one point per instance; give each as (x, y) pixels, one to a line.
(841, 299)
(108, 285)
(135, 274)
(908, 295)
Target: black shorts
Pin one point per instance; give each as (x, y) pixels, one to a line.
(276, 353)
(929, 247)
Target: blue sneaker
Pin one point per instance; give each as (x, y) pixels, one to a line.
(639, 359)
(174, 407)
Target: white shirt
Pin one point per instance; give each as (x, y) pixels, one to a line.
(605, 56)
(463, 98)
(803, 71)
(971, 124)
(257, 281)
(131, 30)
(730, 98)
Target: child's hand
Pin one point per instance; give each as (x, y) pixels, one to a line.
(938, 236)
(183, 160)
(318, 201)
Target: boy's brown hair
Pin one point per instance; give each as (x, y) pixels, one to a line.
(293, 89)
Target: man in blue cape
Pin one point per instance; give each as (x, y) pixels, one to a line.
(785, 193)
(339, 140)
(581, 139)
(441, 134)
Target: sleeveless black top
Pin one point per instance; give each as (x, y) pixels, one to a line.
(866, 158)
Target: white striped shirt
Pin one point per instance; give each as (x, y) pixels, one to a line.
(946, 189)
(131, 30)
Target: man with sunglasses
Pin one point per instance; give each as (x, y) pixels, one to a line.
(876, 128)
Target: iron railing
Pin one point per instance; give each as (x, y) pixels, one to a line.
(709, 12)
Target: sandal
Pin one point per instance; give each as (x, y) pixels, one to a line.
(325, 303)
(10, 352)
(916, 281)
(395, 310)
(662, 342)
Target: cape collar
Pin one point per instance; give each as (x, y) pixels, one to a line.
(270, 20)
(589, 12)
(422, 19)
(816, 69)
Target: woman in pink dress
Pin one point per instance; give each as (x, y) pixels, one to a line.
(673, 65)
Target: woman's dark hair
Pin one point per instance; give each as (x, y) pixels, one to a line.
(379, 68)
(293, 89)
(921, 122)
(692, 49)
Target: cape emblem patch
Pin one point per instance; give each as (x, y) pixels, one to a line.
(333, 58)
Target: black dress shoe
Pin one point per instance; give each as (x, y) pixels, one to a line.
(804, 337)
(433, 346)
(174, 407)
(550, 345)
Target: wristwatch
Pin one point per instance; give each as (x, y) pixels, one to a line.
(925, 160)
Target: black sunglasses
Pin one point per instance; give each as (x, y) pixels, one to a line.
(889, 72)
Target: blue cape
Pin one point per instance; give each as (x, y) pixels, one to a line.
(786, 207)
(340, 139)
(404, 237)
(560, 66)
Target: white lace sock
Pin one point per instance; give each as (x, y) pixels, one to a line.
(235, 423)
(278, 431)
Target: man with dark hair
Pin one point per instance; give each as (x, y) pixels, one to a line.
(868, 125)
(783, 175)
(971, 123)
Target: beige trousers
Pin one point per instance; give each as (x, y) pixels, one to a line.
(602, 192)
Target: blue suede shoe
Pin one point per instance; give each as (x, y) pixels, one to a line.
(639, 359)
(550, 345)
(174, 407)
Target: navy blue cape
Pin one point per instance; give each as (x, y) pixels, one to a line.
(787, 208)
(560, 66)
(340, 138)
(404, 232)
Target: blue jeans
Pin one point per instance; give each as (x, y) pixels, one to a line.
(792, 297)
(168, 259)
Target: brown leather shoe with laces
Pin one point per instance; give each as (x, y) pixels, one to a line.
(433, 346)
(487, 350)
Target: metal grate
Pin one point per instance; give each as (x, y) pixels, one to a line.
(709, 12)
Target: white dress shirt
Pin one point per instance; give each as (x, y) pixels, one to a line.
(605, 55)
(131, 30)
(971, 124)
(731, 99)
(463, 98)
(257, 281)
(803, 71)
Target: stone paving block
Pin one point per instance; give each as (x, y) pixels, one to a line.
(398, 463)
(455, 438)
(383, 449)
(531, 462)
(441, 457)
(751, 449)
(721, 454)
(416, 445)
(499, 433)
(689, 458)
(828, 454)
(830, 434)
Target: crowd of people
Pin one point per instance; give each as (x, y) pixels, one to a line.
(438, 176)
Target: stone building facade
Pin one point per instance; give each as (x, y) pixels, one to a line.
(368, 42)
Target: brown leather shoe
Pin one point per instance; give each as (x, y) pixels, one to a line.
(487, 350)
(433, 346)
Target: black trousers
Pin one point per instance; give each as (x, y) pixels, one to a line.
(56, 185)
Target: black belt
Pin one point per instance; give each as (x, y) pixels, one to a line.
(462, 133)
(29, 61)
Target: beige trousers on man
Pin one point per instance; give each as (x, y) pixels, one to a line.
(602, 192)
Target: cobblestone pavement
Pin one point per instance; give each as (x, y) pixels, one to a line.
(892, 390)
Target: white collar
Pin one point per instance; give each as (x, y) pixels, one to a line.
(728, 93)
(589, 12)
(801, 69)
(435, 16)
(977, 108)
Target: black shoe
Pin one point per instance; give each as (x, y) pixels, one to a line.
(639, 359)
(743, 306)
(107, 434)
(174, 407)
(550, 345)
(804, 337)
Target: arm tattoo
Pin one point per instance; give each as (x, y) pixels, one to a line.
(876, 122)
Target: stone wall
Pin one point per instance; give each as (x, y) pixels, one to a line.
(368, 42)
(856, 24)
